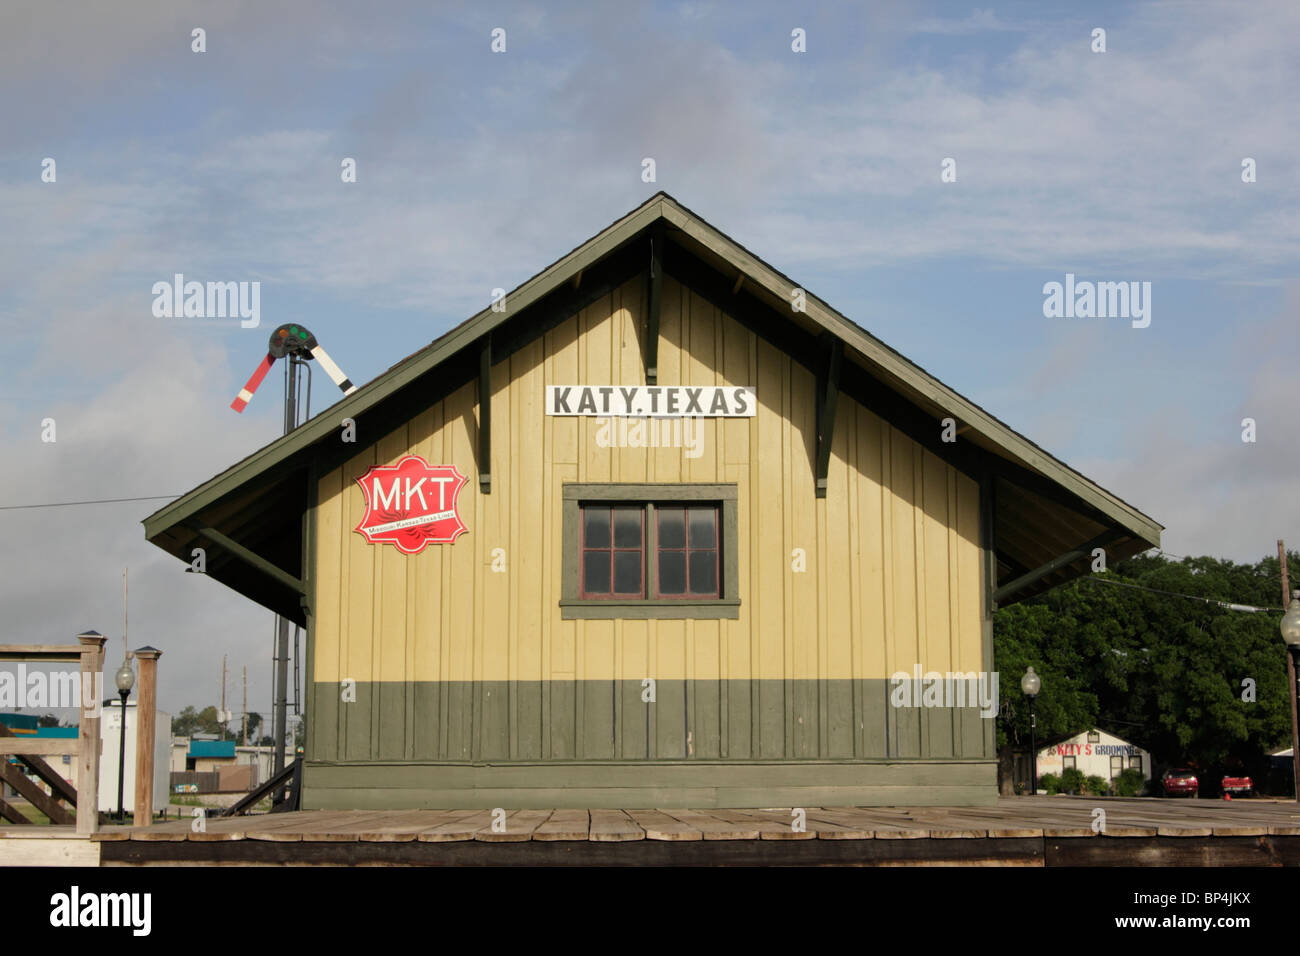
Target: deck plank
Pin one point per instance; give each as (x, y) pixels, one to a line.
(831, 825)
(401, 826)
(565, 825)
(658, 825)
(885, 823)
(519, 828)
(713, 825)
(344, 829)
(463, 826)
(614, 826)
(772, 824)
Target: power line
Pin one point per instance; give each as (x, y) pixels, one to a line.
(91, 501)
(1190, 597)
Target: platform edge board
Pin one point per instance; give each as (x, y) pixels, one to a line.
(1172, 852)
(1183, 832)
(589, 853)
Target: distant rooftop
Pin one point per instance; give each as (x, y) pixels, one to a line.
(212, 748)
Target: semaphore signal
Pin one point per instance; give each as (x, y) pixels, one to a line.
(292, 340)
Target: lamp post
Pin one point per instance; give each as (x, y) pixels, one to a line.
(1031, 684)
(1290, 628)
(125, 679)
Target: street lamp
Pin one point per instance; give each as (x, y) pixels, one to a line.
(1290, 628)
(1031, 684)
(125, 678)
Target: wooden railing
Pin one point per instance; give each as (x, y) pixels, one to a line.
(89, 652)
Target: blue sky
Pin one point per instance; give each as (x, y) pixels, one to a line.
(476, 169)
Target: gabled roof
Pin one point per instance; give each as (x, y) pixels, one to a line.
(1045, 511)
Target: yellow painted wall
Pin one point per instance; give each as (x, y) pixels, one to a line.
(892, 552)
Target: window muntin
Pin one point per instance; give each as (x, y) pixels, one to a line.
(687, 549)
(613, 551)
(684, 554)
(700, 554)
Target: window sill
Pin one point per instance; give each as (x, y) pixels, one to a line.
(577, 610)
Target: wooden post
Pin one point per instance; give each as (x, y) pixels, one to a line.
(92, 668)
(146, 711)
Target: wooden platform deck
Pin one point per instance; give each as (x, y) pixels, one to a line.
(1021, 831)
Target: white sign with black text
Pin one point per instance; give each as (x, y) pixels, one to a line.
(654, 401)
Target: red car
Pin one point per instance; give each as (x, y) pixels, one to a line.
(1237, 785)
(1180, 783)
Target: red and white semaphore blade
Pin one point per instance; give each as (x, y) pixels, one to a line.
(246, 393)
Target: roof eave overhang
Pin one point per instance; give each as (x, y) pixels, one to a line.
(1007, 453)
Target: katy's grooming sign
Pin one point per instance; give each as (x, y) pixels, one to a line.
(411, 504)
(655, 401)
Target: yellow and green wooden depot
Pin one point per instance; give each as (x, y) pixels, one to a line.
(854, 543)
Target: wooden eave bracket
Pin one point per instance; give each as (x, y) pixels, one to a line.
(1069, 557)
(828, 392)
(654, 299)
(273, 571)
(485, 416)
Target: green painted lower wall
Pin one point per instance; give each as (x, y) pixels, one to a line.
(607, 720)
(648, 784)
(597, 743)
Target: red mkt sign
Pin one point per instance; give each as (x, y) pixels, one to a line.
(411, 504)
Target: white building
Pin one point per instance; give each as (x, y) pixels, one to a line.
(111, 734)
(1094, 753)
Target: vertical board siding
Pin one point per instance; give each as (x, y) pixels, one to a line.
(454, 660)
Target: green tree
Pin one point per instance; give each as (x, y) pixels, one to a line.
(1163, 671)
(185, 723)
(189, 721)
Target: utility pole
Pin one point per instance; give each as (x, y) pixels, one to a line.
(1290, 672)
(243, 730)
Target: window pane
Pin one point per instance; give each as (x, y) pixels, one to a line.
(596, 520)
(627, 528)
(703, 572)
(627, 572)
(672, 527)
(702, 521)
(596, 572)
(672, 572)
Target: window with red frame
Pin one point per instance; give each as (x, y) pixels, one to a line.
(613, 549)
(686, 551)
(669, 552)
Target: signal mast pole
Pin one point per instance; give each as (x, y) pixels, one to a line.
(298, 345)
(279, 705)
